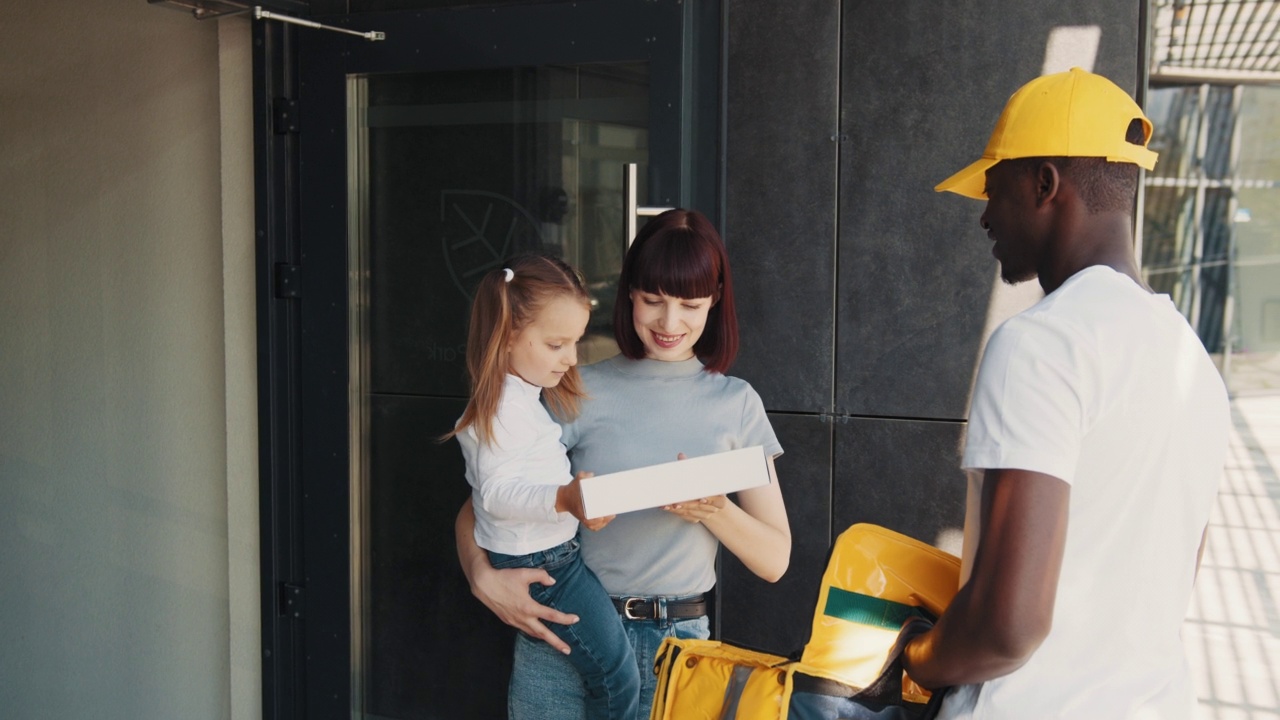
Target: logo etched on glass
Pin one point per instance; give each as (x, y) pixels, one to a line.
(479, 229)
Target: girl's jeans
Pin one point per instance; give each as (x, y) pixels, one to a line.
(600, 653)
(545, 686)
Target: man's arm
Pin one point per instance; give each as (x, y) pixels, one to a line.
(506, 592)
(1002, 614)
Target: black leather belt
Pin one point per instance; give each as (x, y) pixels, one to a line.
(642, 608)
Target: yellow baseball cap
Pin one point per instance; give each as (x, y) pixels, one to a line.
(1069, 114)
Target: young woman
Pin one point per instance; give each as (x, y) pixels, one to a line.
(664, 397)
(526, 321)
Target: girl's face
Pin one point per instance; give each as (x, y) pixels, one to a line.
(544, 350)
(669, 326)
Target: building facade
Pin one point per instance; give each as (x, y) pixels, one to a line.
(237, 260)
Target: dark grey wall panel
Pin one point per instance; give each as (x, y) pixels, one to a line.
(777, 616)
(902, 474)
(783, 80)
(922, 85)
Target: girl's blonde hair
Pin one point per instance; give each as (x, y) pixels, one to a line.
(506, 301)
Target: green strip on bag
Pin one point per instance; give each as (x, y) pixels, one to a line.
(868, 610)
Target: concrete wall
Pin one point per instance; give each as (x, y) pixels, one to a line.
(122, 366)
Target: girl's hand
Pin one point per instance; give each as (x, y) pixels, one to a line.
(569, 499)
(695, 511)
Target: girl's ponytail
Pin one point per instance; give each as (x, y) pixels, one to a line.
(506, 300)
(488, 335)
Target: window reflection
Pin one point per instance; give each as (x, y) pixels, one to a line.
(1211, 222)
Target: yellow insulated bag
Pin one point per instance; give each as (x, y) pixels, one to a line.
(874, 581)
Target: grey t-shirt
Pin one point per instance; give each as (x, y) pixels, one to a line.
(645, 412)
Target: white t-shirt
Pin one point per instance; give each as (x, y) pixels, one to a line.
(1105, 386)
(514, 479)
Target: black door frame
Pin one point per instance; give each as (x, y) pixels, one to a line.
(276, 262)
(303, 361)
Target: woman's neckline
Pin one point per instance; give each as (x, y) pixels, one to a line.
(647, 367)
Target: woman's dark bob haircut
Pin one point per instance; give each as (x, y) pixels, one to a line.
(679, 253)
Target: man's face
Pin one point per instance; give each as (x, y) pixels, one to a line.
(1008, 221)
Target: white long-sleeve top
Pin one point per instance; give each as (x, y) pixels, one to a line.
(514, 478)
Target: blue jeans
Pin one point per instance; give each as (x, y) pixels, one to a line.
(544, 686)
(600, 653)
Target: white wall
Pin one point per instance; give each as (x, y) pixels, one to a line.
(235, 61)
(122, 367)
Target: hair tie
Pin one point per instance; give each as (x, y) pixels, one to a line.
(510, 274)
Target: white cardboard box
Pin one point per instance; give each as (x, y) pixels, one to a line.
(675, 481)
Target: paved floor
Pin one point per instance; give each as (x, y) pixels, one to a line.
(1232, 632)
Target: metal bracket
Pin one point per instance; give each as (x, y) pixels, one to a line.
(260, 14)
(292, 601)
(284, 116)
(288, 281)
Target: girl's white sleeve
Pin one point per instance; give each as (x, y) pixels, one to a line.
(503, 487)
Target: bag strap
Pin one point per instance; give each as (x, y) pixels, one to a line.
(869, 610)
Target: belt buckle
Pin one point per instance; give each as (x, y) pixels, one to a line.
(627, 606)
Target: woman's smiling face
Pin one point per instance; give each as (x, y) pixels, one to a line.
(669, 326)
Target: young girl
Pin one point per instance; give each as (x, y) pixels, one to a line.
(526, 321)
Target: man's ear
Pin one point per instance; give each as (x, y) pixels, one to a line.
(1048, 181)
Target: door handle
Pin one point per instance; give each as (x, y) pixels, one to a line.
(633, 209)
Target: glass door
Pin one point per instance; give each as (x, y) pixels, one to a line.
(464, 168)
(467, 136)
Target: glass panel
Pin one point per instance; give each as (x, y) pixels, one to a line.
(1255, 358)
(1211, 229)
(453, 172)
(469, 167)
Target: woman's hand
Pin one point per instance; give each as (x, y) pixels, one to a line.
(695, 511)
(506, 592)
(755, 528)
(569, 499)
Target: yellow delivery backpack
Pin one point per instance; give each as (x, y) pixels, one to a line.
(875, 580)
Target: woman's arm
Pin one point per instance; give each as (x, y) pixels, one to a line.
(755, 529)
(506, 592)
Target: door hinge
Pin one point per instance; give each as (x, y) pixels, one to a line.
(292, 600)
(284, 112)
(288, 280)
